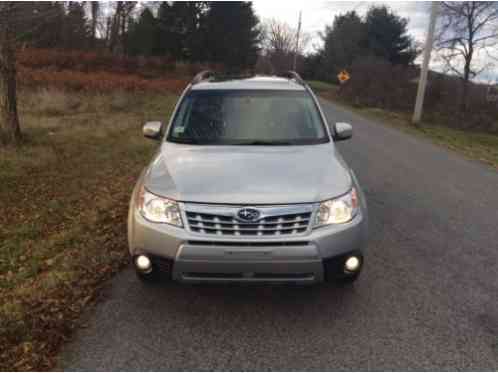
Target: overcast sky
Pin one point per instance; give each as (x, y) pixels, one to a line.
(318, 14)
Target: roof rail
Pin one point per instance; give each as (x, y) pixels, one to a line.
(294, 75)
(203, 75)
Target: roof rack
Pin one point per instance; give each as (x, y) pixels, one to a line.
(293, 75)
(209, 75)
(203, 75)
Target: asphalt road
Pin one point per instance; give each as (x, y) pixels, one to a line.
(427, 299)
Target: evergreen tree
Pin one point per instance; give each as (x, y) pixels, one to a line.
(344, 41)
(231, 34)
(179, 29)
(76, 32)
(169, 42)
(387, 36)
(381, 34)
(143, 37)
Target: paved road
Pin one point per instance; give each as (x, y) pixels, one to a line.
(427, 300)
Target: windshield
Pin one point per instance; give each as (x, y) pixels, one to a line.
(238, 117)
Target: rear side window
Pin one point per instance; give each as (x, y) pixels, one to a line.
(237, 117)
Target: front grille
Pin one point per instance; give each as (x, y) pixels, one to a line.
(222, 225)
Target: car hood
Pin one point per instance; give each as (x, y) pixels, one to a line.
(248, 174)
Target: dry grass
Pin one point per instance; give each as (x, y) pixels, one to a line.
(101, 61)
(53, 102)
(64, 197)
(98, 81)
(319, 86)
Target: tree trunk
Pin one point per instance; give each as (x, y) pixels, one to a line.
(95, 12)
(123, 32)
(115, 27)
(466, 69)
(465, 96)
(9, 120)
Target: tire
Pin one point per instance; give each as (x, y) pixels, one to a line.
(147, 277)
(349, 279)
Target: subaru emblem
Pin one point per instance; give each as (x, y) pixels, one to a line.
(248, 214)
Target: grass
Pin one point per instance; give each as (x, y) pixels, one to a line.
(472, 144)
(64, 197)
(319, 86)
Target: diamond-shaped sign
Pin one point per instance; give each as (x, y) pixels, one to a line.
(343, 76)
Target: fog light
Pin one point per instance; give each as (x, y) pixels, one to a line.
(143, 264)
(352, 264)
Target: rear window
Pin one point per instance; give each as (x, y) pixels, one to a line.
(237, 117)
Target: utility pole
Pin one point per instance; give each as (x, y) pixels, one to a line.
(419, 103)
(297, 42)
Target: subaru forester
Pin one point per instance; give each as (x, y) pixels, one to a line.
(247, 185)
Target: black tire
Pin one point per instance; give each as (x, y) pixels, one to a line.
(349, 279)
(147, 277)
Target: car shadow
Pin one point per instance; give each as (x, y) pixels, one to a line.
(237, 299)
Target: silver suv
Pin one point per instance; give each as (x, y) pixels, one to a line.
(247, 185)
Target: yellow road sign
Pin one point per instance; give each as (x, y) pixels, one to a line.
(343, 76)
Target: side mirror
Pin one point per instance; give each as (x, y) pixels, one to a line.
(152, 130)
(343, 131)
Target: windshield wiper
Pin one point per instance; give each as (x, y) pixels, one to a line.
(185, 140)
(245, 142)
(261, 142)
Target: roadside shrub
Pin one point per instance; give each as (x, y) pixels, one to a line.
(96, 82)
(103, 72)
(90, 62)
(377, 83)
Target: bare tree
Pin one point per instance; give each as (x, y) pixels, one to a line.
(278, 36)
(115, 27)
(10, 131)
(279, 43)
(467, 30)
(94, 10)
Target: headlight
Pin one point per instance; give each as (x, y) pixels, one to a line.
(158, 209)
(338, 210)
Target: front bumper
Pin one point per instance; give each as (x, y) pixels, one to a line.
(196, 258)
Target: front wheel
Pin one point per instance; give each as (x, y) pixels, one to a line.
(148, 278)
(349, 279)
